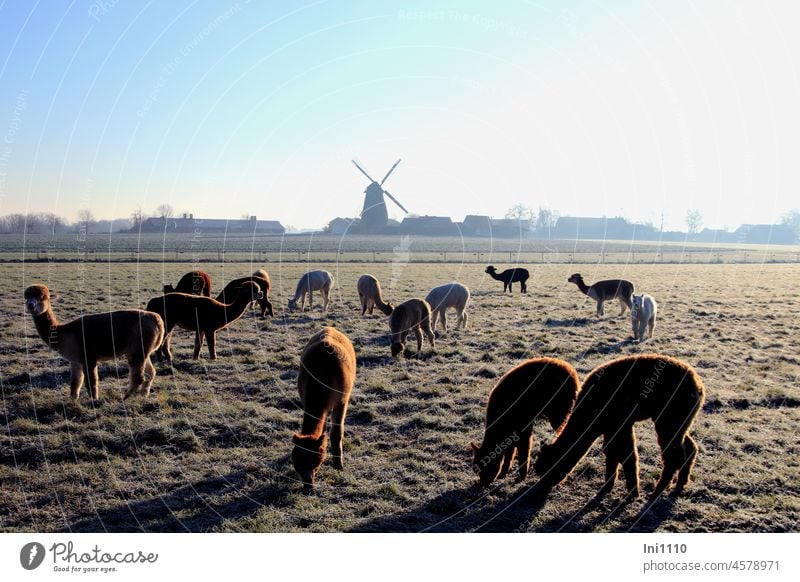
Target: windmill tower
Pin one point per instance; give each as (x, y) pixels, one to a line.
(374, 216)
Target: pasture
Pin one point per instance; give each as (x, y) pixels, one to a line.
(209, 450)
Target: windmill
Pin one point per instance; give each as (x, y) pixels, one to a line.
(374, 216)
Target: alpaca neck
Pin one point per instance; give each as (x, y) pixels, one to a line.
(572, 444)
(235, 309)
(381, 305)
(582, 286)
(314, 424)
(494, 275)
(47, 327)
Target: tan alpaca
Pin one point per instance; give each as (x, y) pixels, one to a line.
(643, 316)
(87, 340)
(450, 295)
(321, 281)
(612, 399)
(537, 388)
(369, 293)
(260, 278)
(203, 315)
(326, 378)
(412, 315)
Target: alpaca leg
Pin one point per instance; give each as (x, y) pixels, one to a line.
(363, 303)
(690, 453)
(198, 343)
(463, 319)
(651, 326)
(443, 316)
(623, 306)
(599, 308)
(165, 348)
(426, 327)
(526, 439)
(150, 372)
(310, 300)
(611, 449)
(508, 458)
(418, 335)
(630, 463)
(673, 457)
(524, 287)
(135, 376)
(76, 381)
(325, 300)
(337, 435)
(212, 343)
(90, 369)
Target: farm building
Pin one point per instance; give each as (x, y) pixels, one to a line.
(188, 223)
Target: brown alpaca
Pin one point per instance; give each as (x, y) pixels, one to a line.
(541, 387)
(260, 278)
(326, 378)
(614, 397)
(412, 315)
(194, 283)
(369, 292)
(202, 315)
(89, 339)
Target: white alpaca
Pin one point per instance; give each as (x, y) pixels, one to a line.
(321, 281)
(441, 298)
(643, 316)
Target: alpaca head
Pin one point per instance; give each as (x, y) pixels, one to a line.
(486, 464)
(490, 269)
(388, 308)
(638, 301)
(169, 289)
(575, 278)
(292, 304)
(547, 459)
(37, 299)
(308, 455)
(397, 347)
(250, 291)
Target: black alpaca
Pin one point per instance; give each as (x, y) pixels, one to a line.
(510, 276)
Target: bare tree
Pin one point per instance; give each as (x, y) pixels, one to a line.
(792, 220)
(165, 211)
(694, 221)
(520, 212)
(544, 220)
(137, 217)
(86, 217)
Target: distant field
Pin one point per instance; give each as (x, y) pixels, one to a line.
(209, 450)
(215, 248)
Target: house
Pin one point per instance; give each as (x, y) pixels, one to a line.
(429, 225)
(188, 223)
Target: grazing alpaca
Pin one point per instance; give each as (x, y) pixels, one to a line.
(369, 292)
(194, 283)
(260, 278)
(89, 339)
(614, 397)
(321, 281)
(202, 315)
(643, 316)
(441, 298)
(414, 314)
(510, 276)
(541, 387)
(326, 377)
(603, 291)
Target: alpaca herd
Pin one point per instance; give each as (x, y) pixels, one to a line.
(609, 401)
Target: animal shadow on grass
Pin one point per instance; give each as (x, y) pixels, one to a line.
(197, 507)
(606, 348)
(568, 322)
(463, 510)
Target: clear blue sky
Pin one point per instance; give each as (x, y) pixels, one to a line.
(223, 109)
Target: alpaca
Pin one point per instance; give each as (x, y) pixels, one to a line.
(603, 291)
(369, 292)
(202, 315)
(260, 278)
(89, 339)
(193, 283)
(414, 314)
(510, 276)
(312, 281)
(453, 295)
(540, 387)
(325, 380)
(615, 396)
(643, 316)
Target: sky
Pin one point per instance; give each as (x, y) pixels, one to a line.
(622, 107)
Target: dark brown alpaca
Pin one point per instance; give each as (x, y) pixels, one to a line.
(89, 339)
(412, 315)
(541, 387)
(260, 278)
(614, 397)
(193, 283)
(326, 378)
(202, 315)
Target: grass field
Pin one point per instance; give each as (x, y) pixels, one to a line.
(209, 450)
